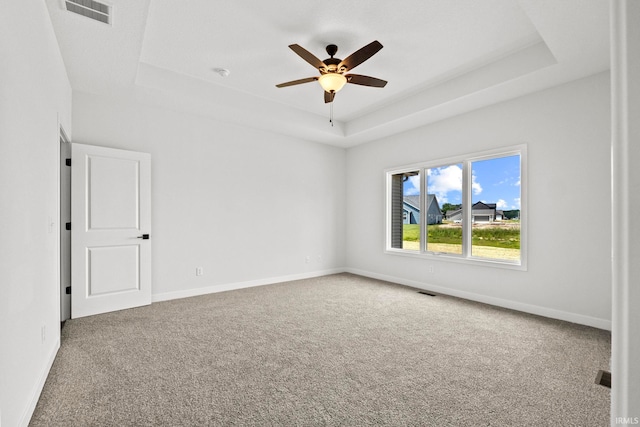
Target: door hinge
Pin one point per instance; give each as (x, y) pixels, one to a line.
(67, 226)
(67, 290)
(67, 162)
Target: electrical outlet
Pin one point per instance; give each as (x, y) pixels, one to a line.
(430, 269)
(307, 259)
(43, 333)
(199, 271)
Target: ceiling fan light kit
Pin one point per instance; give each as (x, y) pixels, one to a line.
(332, 70)
(332, 82)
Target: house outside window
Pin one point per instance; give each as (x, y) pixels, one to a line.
(480, 212)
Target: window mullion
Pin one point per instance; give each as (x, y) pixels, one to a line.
(466, 209)
(423, 211)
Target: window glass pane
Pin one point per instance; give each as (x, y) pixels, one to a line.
(444, 209)
(411, 211)
(495, 210)
(405, 211)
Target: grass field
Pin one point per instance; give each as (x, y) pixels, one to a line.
(497, 241)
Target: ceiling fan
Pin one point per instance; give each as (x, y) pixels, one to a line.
(333, 70)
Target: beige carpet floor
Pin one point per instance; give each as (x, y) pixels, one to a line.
(336, 350)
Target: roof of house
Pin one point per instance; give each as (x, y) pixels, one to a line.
(414, 201)
(480, 205)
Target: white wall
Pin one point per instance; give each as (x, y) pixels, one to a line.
(567, 131)
(244, 204)
(34, 95)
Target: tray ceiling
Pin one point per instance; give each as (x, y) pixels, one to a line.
(440, 58)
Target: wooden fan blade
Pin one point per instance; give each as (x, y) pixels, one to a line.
(329, 96)
(297, 82)
(307, 56)
(359, 56)
(365, 80)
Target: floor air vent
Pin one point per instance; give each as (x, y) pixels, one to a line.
(91, 9)
(603, 378)
(427, 293)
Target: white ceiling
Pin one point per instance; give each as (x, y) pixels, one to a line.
(440, 57)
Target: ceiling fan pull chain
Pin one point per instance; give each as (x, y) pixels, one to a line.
(331, 113)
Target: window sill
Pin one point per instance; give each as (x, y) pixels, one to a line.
(483, 262)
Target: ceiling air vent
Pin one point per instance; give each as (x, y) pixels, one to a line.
(91, 9)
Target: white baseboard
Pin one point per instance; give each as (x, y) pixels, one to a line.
(513, 305)
(37, 389)
(166, 296)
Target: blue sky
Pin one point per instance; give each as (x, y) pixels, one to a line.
(493, 181)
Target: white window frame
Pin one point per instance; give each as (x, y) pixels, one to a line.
(466, 161)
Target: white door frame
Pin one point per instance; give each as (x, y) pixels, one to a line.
(64, 236)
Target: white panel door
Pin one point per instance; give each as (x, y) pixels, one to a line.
(110, 229)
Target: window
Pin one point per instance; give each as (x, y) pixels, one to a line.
(467, 209)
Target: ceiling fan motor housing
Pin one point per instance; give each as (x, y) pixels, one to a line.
(331, 64)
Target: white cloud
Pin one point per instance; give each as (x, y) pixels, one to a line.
(443, 180)
(448, 178)
(501, 204)
(475, 186)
